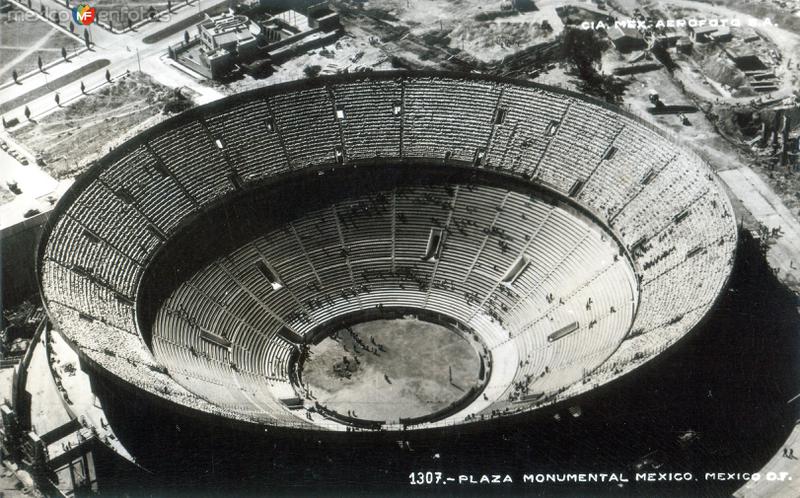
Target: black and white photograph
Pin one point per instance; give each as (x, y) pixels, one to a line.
(544, 248)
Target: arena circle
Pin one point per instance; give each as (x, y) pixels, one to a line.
(573, 240)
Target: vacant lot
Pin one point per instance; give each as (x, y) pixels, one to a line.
(488, 31)
(69, 139)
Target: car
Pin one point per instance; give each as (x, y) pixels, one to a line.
(13, 187)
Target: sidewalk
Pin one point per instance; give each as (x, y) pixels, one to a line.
(768, 209)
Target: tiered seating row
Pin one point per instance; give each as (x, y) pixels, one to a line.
(190, 154)
(307, 123)
(157, 194)
(579, 145)
(435, 110)
(250, 140)
(373, 117)
(234, 300)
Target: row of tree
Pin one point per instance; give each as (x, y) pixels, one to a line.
(57, 98)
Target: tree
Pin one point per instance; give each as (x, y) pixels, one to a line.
(108, 75)
(581, 47)
(27, 113)
(312, 71)
(64, 53)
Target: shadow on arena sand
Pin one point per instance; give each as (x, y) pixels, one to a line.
(717, 402)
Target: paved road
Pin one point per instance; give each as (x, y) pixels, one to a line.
(767, 207)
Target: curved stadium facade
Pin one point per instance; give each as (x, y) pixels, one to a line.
(571, 241)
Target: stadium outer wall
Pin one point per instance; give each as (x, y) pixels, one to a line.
(93, 173)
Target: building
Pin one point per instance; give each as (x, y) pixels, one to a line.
(228, 42)
(227, 39)
(706, 33)
(745, 58)
(626, 39)
(684, 45)
(722, 34)
(524, 5)
(291, 33)
(321, 16)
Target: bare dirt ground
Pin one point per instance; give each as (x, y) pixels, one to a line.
(778, 36)
(11, 487)
(410, 377)
(70, 138)
(761, 9)
(493, 40)
(488, 31)
(23, 39)
(788, 187)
